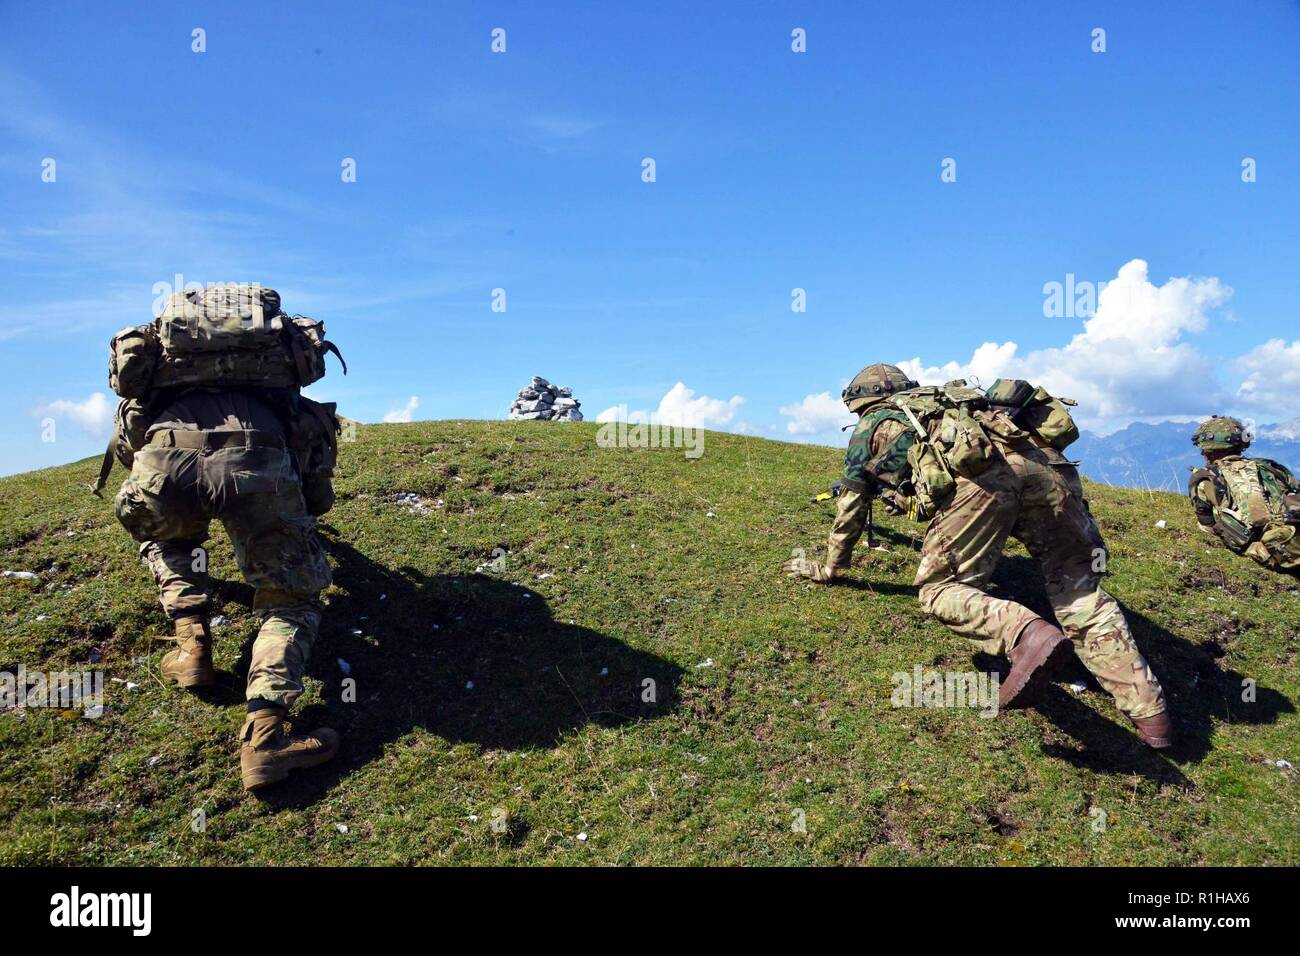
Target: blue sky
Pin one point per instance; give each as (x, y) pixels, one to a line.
(775, 170)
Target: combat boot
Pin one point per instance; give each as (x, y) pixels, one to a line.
(190, 664)
(267, 751)
(1156, 731)
(1039, 653)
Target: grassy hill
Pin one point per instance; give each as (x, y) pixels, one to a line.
(499, 712)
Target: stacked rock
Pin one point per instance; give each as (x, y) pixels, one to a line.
(541, 399)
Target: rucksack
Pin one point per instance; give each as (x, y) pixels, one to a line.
(941, 438)
(953, 431)
(232, 336)
(1035, 410)
(227, 336)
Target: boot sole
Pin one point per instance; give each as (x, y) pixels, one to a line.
(257, 779)
(191, 680)
(1035, 676)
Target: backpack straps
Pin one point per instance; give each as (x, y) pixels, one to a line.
(329, 346)
(924, 435)
(259, 314)
(105, 468)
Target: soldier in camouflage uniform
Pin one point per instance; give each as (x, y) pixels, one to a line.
(1030, 492)
(1251, 504)
(224, 454)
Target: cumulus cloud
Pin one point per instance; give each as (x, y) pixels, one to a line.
(403, 413)
(816, 413)
(988, 362)
(94, 416)
(680, 408)
(1130, 361)
(1271, 378)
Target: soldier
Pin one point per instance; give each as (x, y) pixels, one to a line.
(1251, 504)
(236, 454)
(1028, 490)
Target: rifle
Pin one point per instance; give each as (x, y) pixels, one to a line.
(837, 489)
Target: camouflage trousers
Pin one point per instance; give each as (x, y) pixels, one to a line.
(167, 504)
(1035, 496)
(1278, 548)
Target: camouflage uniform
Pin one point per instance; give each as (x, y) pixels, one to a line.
(221, 454)
(879, 434)
(1231, 499)
(1031, 493)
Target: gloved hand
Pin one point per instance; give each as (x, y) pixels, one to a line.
(797, 568)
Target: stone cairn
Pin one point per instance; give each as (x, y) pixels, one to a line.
(541, 399)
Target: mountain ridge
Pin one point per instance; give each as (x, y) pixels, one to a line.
(1161, 457)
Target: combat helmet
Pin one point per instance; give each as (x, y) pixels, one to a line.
(1221, 434)
(875, 383)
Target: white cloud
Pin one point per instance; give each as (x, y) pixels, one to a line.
(1271, 383)
(1284, 431)
(680, 408)
(94, 416)
(816, 413)
(1129, 362)
(988, 363)
(403, 413)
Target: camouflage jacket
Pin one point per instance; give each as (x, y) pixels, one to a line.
(876, 460)
(1239, 498)
(877, 452)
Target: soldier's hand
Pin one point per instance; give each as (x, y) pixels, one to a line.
(895, 503)
(797, 568)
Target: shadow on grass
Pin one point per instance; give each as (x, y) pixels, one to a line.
(1199, 689)
(425, 639)
(874, 587)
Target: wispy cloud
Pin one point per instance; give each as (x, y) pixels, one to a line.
(561, 127)
(115, 217)
(518, 117)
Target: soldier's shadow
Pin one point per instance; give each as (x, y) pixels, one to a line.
(470, 658)
(1199, 687)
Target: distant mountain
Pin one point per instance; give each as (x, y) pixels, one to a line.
(1161, 457)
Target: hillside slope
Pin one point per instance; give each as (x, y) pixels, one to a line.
(500, 711)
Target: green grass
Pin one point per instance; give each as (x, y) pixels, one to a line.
(657, 564)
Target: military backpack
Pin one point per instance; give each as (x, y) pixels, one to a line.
(226, 336)
(953, 431)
